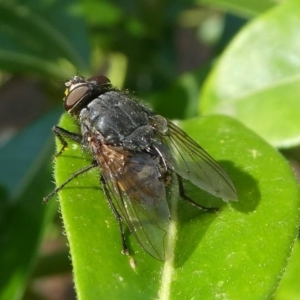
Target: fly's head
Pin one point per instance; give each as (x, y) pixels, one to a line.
(80, 91)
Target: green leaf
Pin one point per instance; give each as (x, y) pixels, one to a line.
(19, 62)
(20, 153)
(289, 287)
(42, 37)
(26, 175)
(215, 254)
(110, 13)
(184, 92)
(22, 232)
(257, 79)
(245, 8)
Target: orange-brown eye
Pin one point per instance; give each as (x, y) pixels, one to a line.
(99, 80)
(75, 96)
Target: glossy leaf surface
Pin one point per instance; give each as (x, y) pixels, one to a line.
(257, 79)
(209, 254)
(243, 8)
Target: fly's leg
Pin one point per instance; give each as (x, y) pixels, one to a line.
(61, 134)
(73, 176)
(118, 217)
(188, 199)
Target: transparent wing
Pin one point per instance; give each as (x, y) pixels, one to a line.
(140, 199)
(193, 163)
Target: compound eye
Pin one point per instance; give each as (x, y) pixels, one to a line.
(99, 80)
(75, 96)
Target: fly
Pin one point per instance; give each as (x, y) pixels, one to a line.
(141, 155)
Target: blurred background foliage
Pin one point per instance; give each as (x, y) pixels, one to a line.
(162, 50)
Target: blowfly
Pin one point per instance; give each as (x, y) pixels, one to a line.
(140, 155)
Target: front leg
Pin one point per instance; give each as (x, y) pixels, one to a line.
(61, 134)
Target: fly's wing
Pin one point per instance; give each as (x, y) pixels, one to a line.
(139, 197)
(193, 163)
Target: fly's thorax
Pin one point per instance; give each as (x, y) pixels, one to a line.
(120, 121)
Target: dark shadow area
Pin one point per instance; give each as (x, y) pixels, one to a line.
(247, 188)
(190, 233)
(188, 237)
